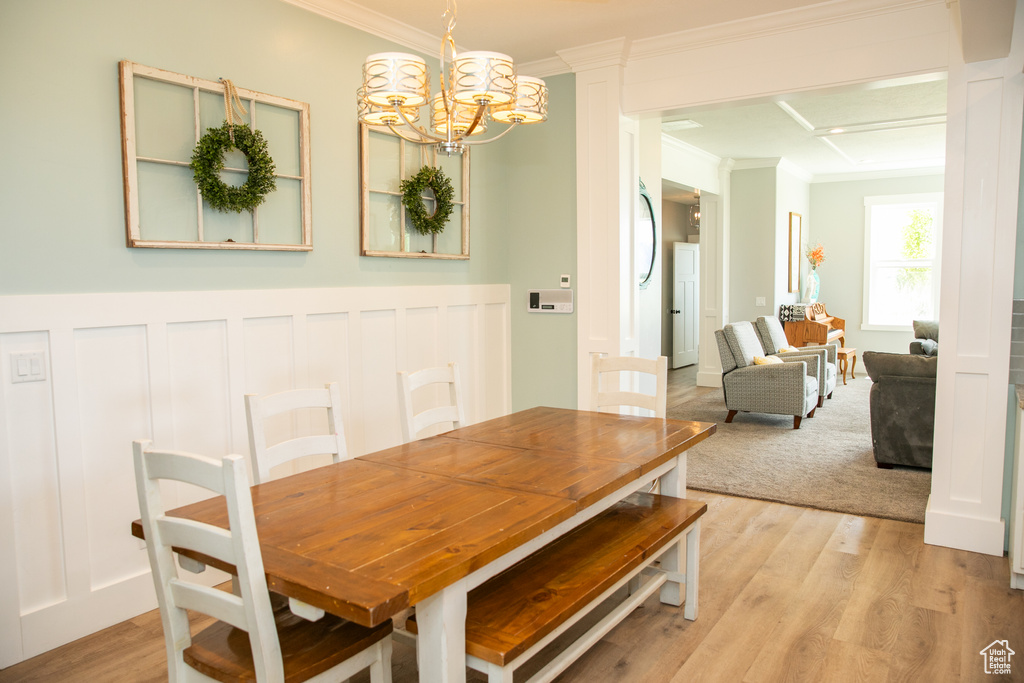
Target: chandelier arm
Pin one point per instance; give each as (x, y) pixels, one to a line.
(427, 136)
(476, 120)
(406, 137)
(496, 137)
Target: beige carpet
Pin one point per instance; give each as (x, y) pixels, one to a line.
(826, 464)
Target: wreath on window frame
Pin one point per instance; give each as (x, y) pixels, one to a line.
(208, 162)
(412, 199)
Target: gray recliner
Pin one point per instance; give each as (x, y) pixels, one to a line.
(773, 338)
(787, 388)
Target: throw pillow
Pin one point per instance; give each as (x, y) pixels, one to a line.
(788, 349)
(770, 360)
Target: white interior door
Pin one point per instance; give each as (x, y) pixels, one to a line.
(685, 298)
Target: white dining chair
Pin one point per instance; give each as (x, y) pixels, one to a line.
(258, 409)
(453, 413)
(614, 395)
(280, 645)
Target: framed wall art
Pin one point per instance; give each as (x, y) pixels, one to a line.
(164, 115)
(795, 240)
(386, 228)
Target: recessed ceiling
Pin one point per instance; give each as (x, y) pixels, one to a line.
(884, 127)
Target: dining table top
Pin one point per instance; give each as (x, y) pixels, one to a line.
(367, 537)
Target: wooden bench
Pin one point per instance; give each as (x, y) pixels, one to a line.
(517, 613)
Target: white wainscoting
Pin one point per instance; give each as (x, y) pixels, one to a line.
(173, 367)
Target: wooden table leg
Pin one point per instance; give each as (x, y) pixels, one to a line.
(441, 648)
(843, 362)
(853, 368)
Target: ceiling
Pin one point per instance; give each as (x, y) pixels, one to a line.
(878, 128)
(887, 126)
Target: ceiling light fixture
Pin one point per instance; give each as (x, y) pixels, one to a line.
(475, 87)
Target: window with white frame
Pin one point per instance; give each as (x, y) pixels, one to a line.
(902, 237)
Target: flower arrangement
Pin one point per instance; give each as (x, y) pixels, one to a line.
(816, 255)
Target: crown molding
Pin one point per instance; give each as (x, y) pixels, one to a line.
(686, 148)
(541, 68)
(372, 22)
(833, 12)
(596, 55)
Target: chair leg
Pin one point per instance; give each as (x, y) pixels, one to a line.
(811, 414)
(796, 421)
(830, 395)
(732, 414)
(884, 465)
(821, 401)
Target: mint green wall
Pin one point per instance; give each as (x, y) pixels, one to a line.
(752, 243)
(61, 215)
(539, 194)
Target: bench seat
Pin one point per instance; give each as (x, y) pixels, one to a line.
(516, 613)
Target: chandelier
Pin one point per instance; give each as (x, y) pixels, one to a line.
(476, 87)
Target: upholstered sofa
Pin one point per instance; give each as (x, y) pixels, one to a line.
(902, 403)
(926, 338)
(787, 386)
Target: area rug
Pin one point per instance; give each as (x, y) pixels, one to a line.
(826, 464)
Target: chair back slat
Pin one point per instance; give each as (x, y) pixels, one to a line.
(413, 423)
(186, 533)
(300, 447)
(616, 395)
(266, 456)
(214, 603)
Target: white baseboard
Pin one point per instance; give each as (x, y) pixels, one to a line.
(953, 530)
(709, 379)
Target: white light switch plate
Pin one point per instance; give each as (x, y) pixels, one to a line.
(28, 367)
(759, 301)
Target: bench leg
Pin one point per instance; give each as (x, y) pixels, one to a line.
(499, 674)
(441, 648)
(673, 483)
(692, 570)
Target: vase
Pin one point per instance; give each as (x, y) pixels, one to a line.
(812, 284)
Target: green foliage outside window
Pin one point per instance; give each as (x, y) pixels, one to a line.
(917, 244)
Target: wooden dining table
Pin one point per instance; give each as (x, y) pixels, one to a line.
(424, 523)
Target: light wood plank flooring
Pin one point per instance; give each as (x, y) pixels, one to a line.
(786, 593)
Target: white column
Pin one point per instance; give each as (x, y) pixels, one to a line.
(983, 144)
(606, 187)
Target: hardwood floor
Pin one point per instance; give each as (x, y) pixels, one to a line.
(786, 594)
(682, 386)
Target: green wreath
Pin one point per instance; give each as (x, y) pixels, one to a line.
(412, 198)
(208, 162)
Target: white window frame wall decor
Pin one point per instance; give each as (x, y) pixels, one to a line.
(871, 261)
(129, 72)
(427, 155)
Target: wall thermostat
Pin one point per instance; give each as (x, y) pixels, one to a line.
(550, 301)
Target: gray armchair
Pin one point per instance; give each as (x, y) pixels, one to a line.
(787, 388)
(773, 338)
